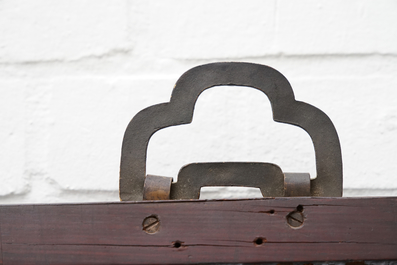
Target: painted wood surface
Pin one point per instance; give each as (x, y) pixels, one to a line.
(199, 231)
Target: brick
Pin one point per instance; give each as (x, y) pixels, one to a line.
(12, 138)
(89, 117)
(257, 29)
(193, 30)
(45, 30)
(337, 27)
(365, 115)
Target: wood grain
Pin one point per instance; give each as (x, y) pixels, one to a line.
(207, 231)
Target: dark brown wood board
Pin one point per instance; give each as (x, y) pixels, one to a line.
(200, 231)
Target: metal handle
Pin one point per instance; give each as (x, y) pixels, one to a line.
(266, 176)
(180, 111)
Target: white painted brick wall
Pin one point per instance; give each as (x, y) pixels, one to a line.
(73, 73)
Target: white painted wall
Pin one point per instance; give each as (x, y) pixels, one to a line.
(73, 73)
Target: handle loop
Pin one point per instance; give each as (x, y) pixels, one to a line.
(180, 111)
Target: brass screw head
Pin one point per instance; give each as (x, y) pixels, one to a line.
(151, 224)
(295, 219)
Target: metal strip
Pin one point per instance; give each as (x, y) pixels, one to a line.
(268, 177)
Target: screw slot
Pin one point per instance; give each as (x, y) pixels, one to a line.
(151, 224)
(295, 219)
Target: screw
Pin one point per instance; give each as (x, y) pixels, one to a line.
(295, 219)
(151, 224)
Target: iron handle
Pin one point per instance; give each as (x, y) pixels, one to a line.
(266, 176)
(180, 111)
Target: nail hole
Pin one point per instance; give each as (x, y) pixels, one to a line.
(259, 241)
(299, 208)
(177, 244)
(271, 211)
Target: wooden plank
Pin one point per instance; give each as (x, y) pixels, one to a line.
(207, 231)
(1, 247)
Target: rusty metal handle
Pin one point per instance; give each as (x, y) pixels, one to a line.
(180, 111)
